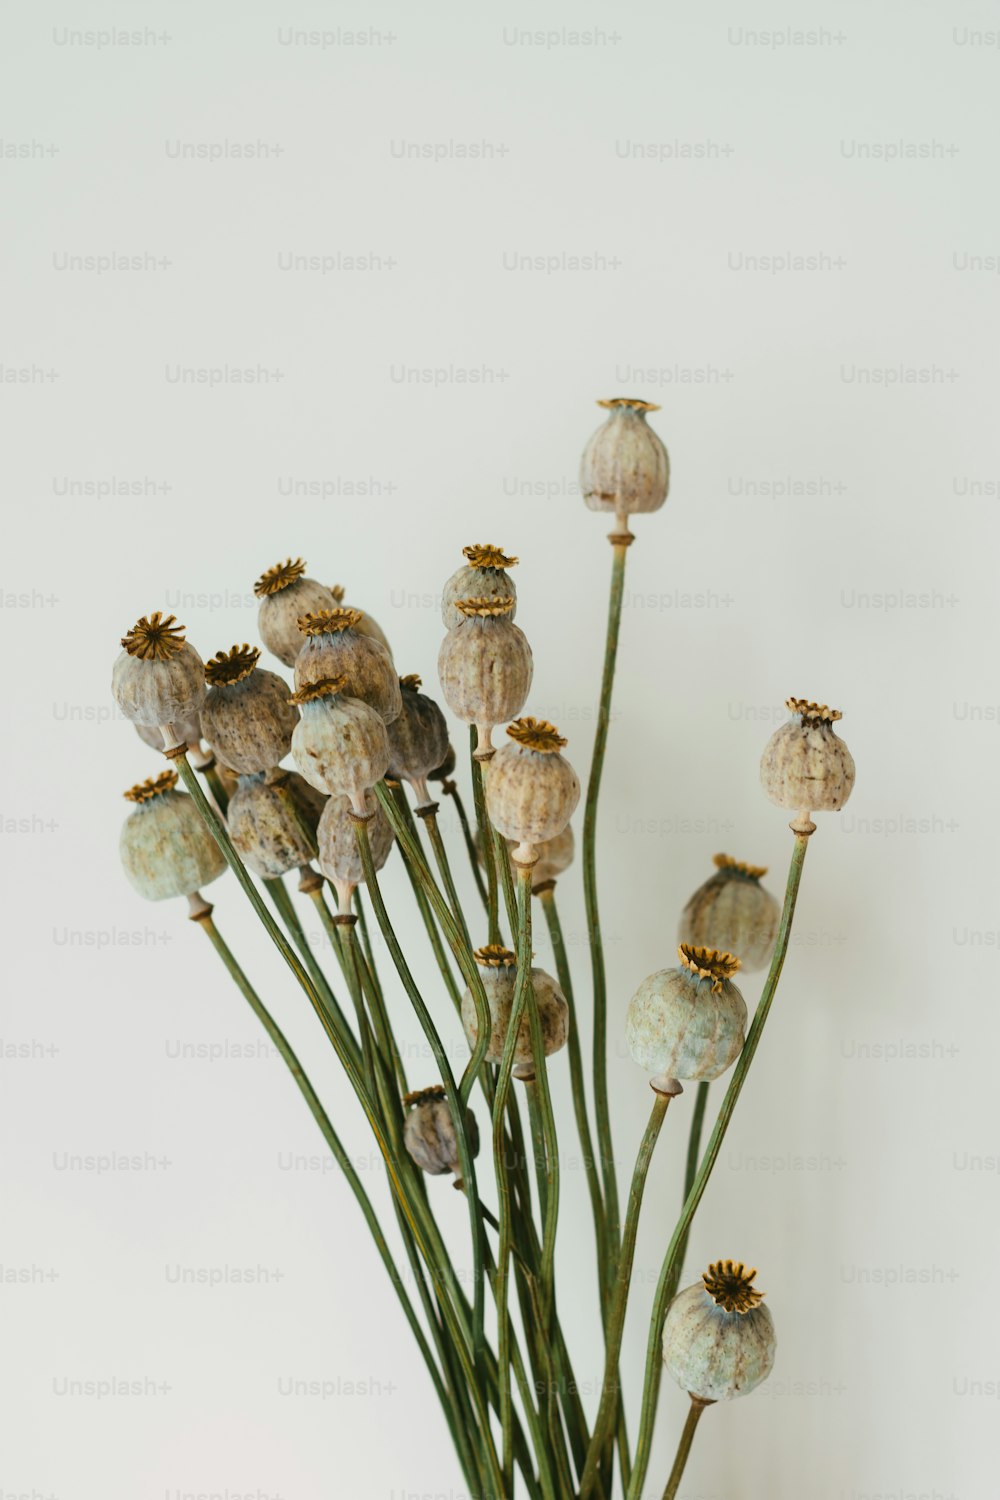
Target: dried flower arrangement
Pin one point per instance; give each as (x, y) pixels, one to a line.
(359, 735)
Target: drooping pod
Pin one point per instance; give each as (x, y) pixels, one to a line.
(332, 646)
(498, 970)
(531, 790)
(273, 817)
(484, 576)
(248, 716)
(286, 595)
(805, 766)
(159, 679)
(485, 667)
(688, 1022)
(339, 743)
(625, 467)
(166, 849)
(718, 1336)
(429, 1132)
(366, 625)
(339, 856)
(733, 913)
(418, 739)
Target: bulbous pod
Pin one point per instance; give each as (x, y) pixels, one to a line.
(484, 576)
(418, 739)
(273, 818)
(166, 849)
(248, 716)
(339, 857)
(625, 467)
(365, 625)
(332, 646)
(688, 1022)
(285, 596)
(733, 913)
(485, 666)
(429, 1132)
(718, 1336)
(805, 766)
(159, 679)
(339, 743)
(498, 971)
(446, 768)
(531, 790)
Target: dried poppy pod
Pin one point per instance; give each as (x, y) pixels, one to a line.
(339, 743)
(332, 646)
(188, 732)
(166, 848)
(718, 1337)
(733, 913)
(159, 679)
(366, 625)
(805, 766)
(498, 970)
(625, 467)
(447, 766)
(248, 716)
(339, 856)
(285, 596)
(531, 790)
(484, 576)
(688, 1022)
(418, 739)
(429, 1133)
(273, 817)
(485, 667)
(554, 856)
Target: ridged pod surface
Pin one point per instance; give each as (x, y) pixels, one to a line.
(286, 595)
(733, 913)
(531, 789)
(339, 857)
(713, 1351)
(248, 716)
(429, 1133)
(332, 646)
(485, 667)
(166, 849)
(270, 819)
(625, 467)
(158, 678)
(688, 1022)
(339, 743)
(805, 766)
(418, 738)
(498, 971)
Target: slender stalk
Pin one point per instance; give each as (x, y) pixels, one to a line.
(600, 1064)
(359, 907)
(444, 869)
(671, 1269)
(286, 911)
(607, 1411)
(691, 1164)
(211, 774)
(423, 906)
(684, 1446)
(483, 828)
(450, 789)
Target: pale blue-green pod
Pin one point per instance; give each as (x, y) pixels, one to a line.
(484, 576)
(733, 913)
(485, 667)
(159, 679)
(286, 595)
(688, 1022)
(248, 716)
(718, 1336)
(805, 766)
(273, 819)
(418, 739)
(531, 789)
(340, 744)
(332, 646)
(166, 849)
(625, 467)
(498, 971)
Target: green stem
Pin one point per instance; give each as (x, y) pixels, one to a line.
(483, 827)
(607, 1411)
(691, 1165)
(286, 911)
(601, 1109)
(684, 1446)
(449, 789)
(444, 870)
(671, 1269)
(211, 774)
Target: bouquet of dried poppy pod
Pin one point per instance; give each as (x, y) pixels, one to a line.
(369, 751)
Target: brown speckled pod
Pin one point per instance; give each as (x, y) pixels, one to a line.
(733, 913)
(365, 625)
(429, 1132)
(485, 666)
(498, 970)
(418, 739)
(339, 857)
(273, 817)
(285, 596)
(248, 716)
(332, 646)
(159, 679)
(166, 849)
(531, 791)
(718, 1336)
(805, 766)
(688, 1022)
(625, 468)
(484, 576)
(339, 744)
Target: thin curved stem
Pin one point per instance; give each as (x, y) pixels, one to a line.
(671, 1269)
(691, 1164)
(449, 789)
(684, 1446)
(483, 829)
